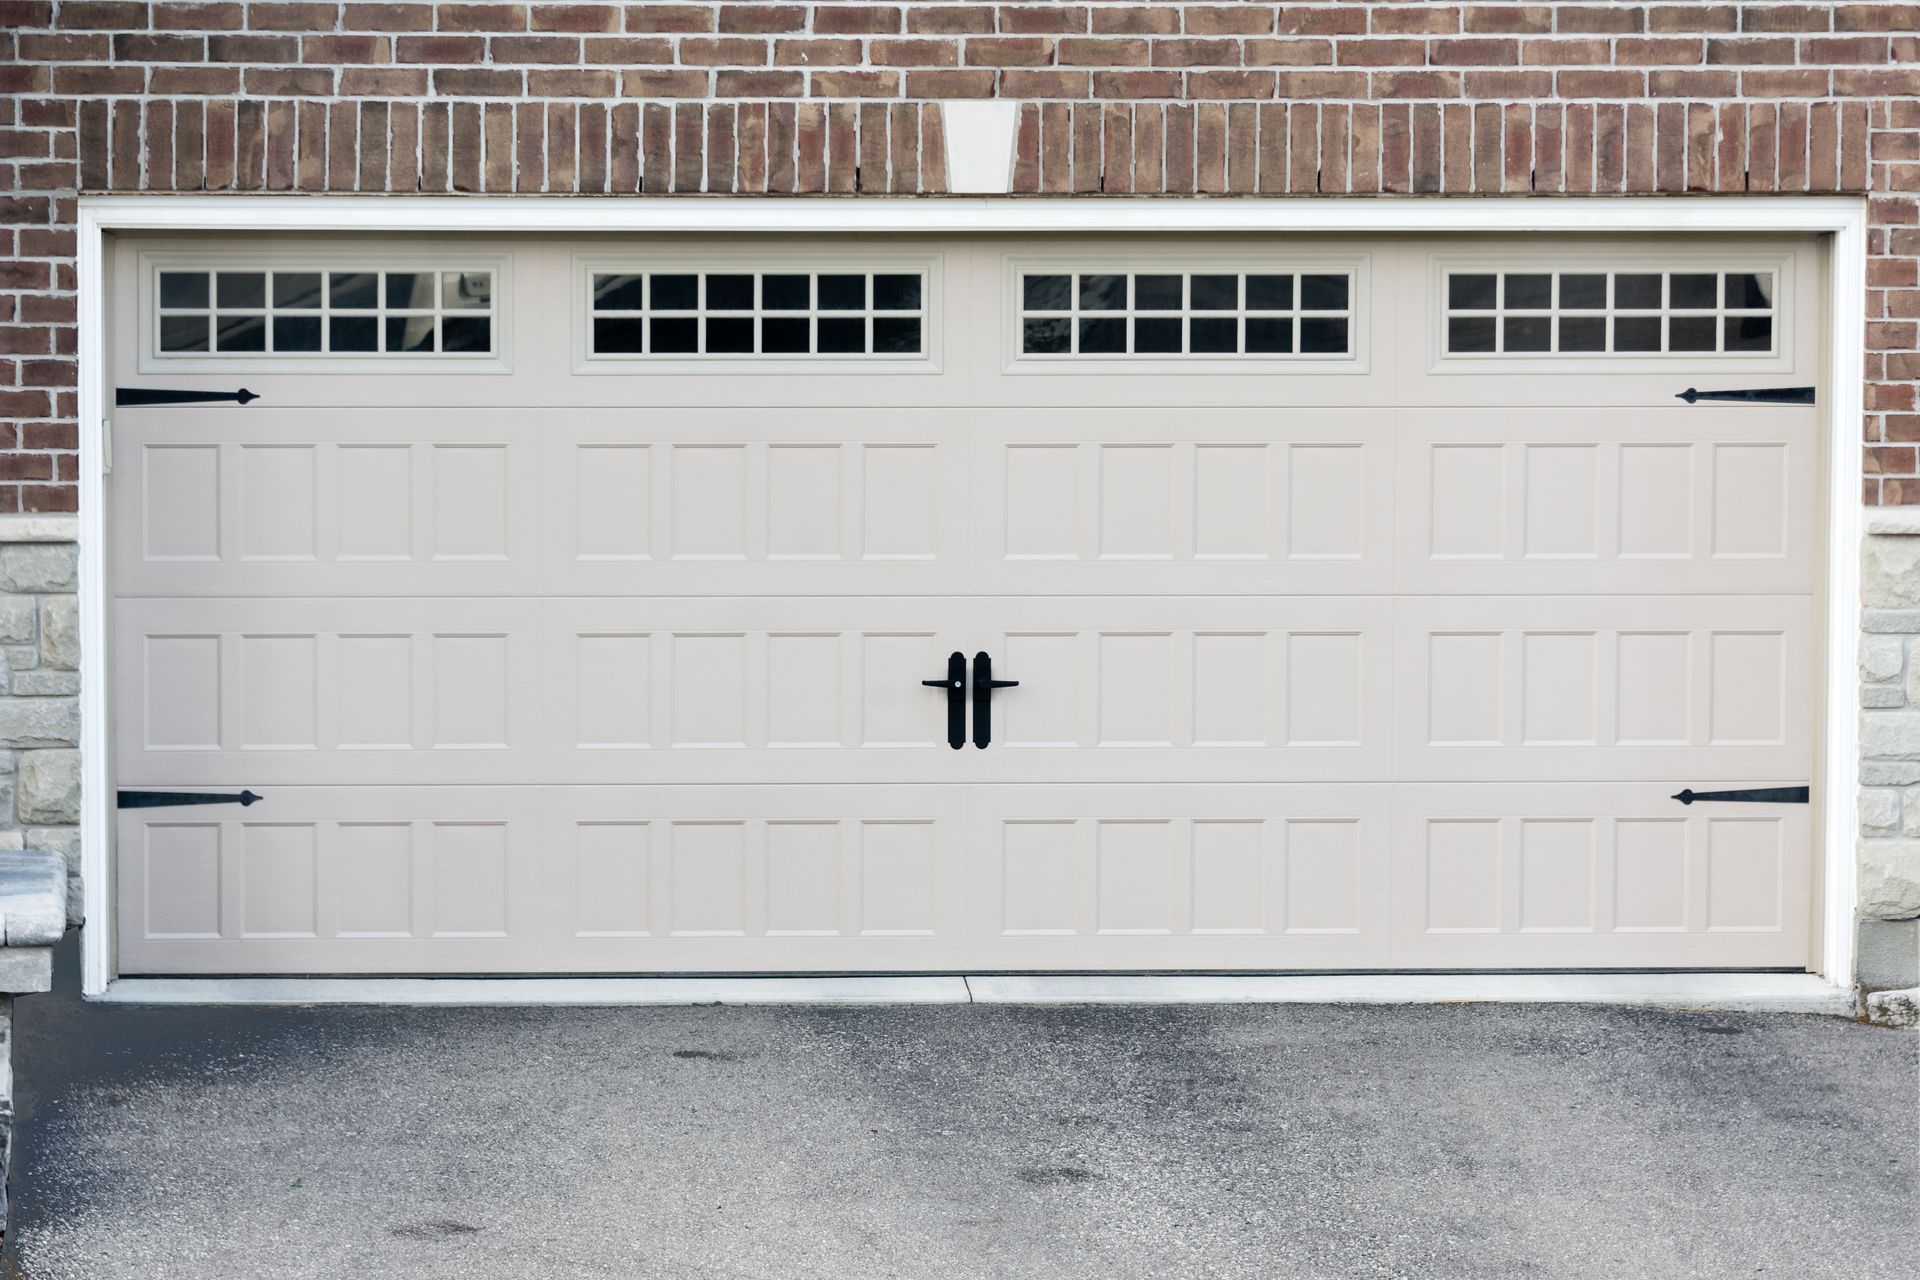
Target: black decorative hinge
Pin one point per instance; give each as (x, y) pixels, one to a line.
(1756, 795)
(1752, 395)
(168, 799)
(133, 397)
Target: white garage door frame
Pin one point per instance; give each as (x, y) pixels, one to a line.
(1842, 221)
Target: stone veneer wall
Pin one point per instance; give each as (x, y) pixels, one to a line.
(39, 687)
(1889, 910)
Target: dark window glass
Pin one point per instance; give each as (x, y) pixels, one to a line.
(843, 335)
(673, 335)
(1690, 333)
(466, 333)
(1636, 333)
(183, 333)
(1156, 293)
(1636, 292)
(1583, 333)
(1529, 292)
(1471, 293)
(1213, 335)
(1528, 333)
(896, 335)
(1047, 293)
(1045, 337)
(1469, 334)
(843, 293)
(1156, 334)
(409, 333)
(1583, 293)
(896, 293)
(1693, 291)
(183, 288)
(296, 333)
(1269, 337)
(359, 289)
(1103, 293)
(729, 335)
(786, 293)
(1323, 293)
(1269, 293)
(619, 293)
(617, 335)
(412, 290)
(1749, 333)
(1103, 337)
(1750, 290)
(675, 293)
(296, 290)
(464, 290)
(729, 293)
(1216, 293)
(353, 333)
(241, 333)
(1323, 336)
(786, 335)
(242, 289)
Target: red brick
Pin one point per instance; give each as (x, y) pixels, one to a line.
(850, 20)
(762, 18)
(483, 17)
(855, 84)
(669, 18)
(578, 18)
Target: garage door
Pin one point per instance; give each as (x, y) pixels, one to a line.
(597, 606)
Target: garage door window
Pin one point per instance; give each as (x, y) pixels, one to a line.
(741, 314)
(1598, 313)
(1202, 314)
(312, 312)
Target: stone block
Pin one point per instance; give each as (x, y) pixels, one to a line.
(1890, 879)
(26, 969)
(1881, 658)
(17, 620)
(39, 722)
(38, 568)
(60, 633)
(1888, 773)
(1895, 1008)
(1898, 622)
(1890, 572)
(1890, 735)
(1879, 810)
(50, 786)
(1873, 697)
(1886, 954)
(20, 657)
(42, 683)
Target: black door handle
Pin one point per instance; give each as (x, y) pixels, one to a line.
(983, 686)
(956, 686)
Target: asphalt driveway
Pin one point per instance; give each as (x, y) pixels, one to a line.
(1320, 1141)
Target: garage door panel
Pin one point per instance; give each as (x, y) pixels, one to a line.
(1242, 689)
(1182, 501)
(1561, 687)
(1597, 501)
(1570, 875)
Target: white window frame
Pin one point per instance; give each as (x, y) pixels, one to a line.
(1840, 220)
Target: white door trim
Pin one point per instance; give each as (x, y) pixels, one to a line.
(1842, 219)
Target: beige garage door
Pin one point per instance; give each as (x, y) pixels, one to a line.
(569, 605)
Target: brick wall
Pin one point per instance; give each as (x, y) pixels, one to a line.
(835, 96)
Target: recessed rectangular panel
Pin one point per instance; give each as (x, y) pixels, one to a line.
(1463, 877)
(1562, 483)
(1650, 875)
(1464, 685)
(804, 505)
(1323, 877)
(1136, 502)
(374, 501)
(375, 695)
(1557, 685)
(1040, 502)
(470, 502)
(803, 878)
(1750, 501)
(469, 691)
(709, 878)
(1133, 864)
(278, 888)
(1744, 869)
(1326, 502)
(1556, 876)
(1655, 688)
(469, 879)
(182, 880)
(898, 503)
(278, 692)
(1038, 889)
(614, 516)
(182, 686)
(181, 501)
(897, 865)
(1230, 517)
(1136, 689)
(1323, 689)
(1043, 714)
(709, 690)
(374, 873)
(1468, 502)
(709, 518)
(613, 675)
(1749, 684)
(1656, 501)
(278, 497)
(896, 709)
(1229, 876)
(613, 876)
(1229, 689)
(803, 690)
